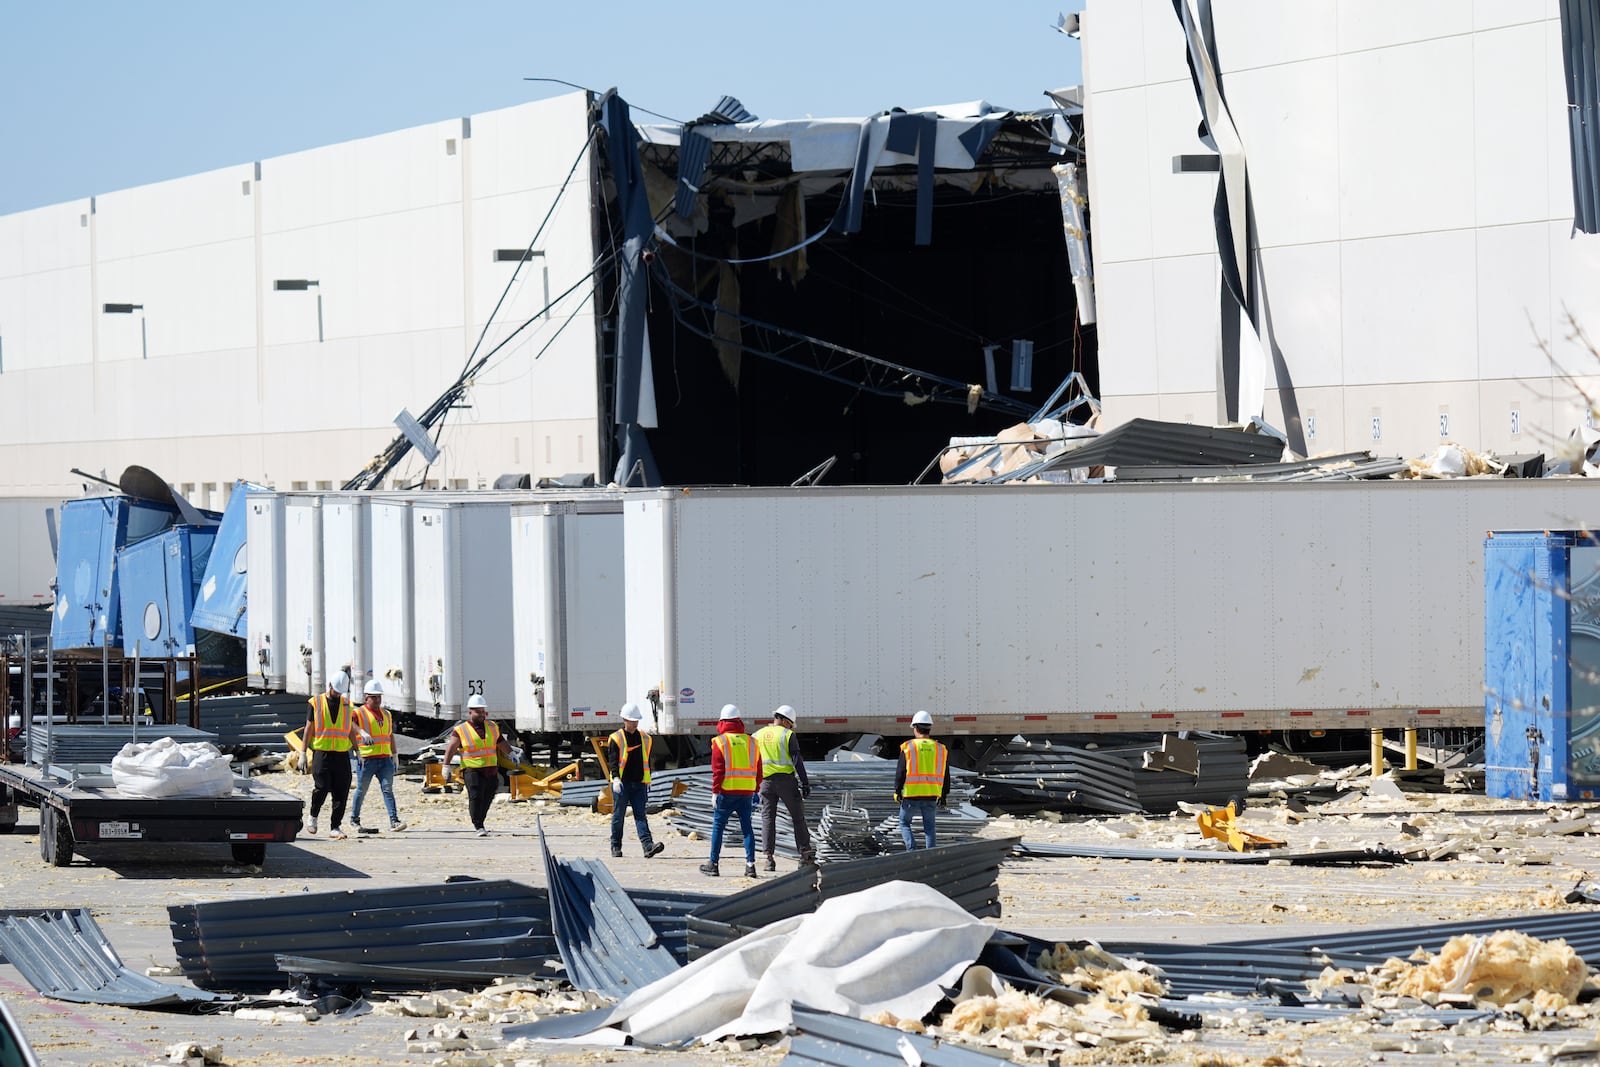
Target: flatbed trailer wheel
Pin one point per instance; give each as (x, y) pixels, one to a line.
(249, 853)
(55, 837)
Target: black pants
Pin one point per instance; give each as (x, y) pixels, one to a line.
(783, 788)
(482, 784)
(330, 777)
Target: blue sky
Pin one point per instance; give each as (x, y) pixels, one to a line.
(102, 96)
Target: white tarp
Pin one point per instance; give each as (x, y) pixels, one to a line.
(168, 768)
(894, 947)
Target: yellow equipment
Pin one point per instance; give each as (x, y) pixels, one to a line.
(1222, 824)
(525, 786)
(602, 803)
(433, 780)
(297, 747)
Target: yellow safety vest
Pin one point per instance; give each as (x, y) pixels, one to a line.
(379, 727)
(925, 765)
(620, 739)
(329, 732)
(773, 741)
(479, 751)
(738, 762)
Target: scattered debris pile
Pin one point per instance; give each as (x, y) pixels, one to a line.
(1045, 774)
(1506, 968)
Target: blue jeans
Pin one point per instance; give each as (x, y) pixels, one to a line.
(916, 806)
(381, 768)
(635, 795)
(733, 804)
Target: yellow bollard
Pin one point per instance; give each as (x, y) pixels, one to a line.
(1411, 748)
(1377, 753)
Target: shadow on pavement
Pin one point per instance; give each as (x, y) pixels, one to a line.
(203, 861)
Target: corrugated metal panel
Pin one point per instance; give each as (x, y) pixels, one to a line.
(1147, 442)
(668, 913)
(967, 873)
(23, 620)
(839, 1041)
(493, 927)
(607, 944)
(63, 954)
(1580, 53)
(1329, 858)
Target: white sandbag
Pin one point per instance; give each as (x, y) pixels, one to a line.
(168, 768)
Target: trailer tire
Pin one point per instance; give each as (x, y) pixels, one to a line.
(55, 837)
(249, 853)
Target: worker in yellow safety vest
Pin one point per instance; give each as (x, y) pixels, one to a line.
(735, 773)
(781, 765)
(481, 746)
(374, 728)
(628, 752)
(328, 736)
(921, 780)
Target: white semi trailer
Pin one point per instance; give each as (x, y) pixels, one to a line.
(1088, 608)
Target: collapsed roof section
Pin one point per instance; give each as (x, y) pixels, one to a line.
(854, 288)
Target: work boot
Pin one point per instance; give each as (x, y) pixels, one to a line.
(654, 850)
(771, 864)
(616, 853)
(749, 870)
(709, 869)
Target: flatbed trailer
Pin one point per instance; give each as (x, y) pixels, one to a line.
(87, 809)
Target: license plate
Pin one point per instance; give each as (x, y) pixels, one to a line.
(249, 837)
(119, 829)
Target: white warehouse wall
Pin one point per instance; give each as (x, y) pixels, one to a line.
(230, 380)
(1409, 167)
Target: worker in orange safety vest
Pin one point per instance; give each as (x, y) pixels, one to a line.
(735, 773)
(374, 728)
(921, 780)
(481, 746)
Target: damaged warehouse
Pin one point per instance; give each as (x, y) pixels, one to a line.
(829, 293)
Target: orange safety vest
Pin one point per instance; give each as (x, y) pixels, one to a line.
(620, 739)
(329, 732)
(379, 727)
(925, 766)
(479, 751)
(738, 762)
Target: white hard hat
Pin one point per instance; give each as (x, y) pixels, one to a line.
(922, 718)
(374, 688)
(340, 683)
(476, 701)
(730, 711)
(786, 711)
(631, 712)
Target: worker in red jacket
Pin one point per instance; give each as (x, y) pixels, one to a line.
(735, 774)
